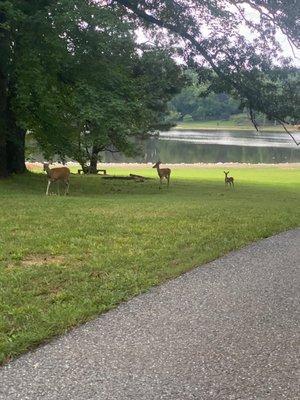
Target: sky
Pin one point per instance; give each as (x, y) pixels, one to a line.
(287, 50)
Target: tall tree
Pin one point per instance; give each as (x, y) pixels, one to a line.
(109, 91)
(72, 70)
(21, 27)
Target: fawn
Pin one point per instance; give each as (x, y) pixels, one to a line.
(228, 179)
(162, 173)
(59, 174)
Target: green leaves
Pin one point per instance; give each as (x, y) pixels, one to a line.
(73, 77)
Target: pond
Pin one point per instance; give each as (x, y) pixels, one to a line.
(216, 146)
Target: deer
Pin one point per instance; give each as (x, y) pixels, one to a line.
(58, 174)
(229, 180)
(162, 173)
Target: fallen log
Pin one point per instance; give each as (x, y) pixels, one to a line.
(132, 177)
(117, 177)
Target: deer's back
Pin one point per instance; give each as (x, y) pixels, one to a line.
(60, 173)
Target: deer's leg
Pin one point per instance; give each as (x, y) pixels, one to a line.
(58, 187)
(168, 178)
(67, 187)
(47, 191)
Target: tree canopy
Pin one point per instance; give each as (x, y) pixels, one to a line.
(237, 40)
(74, 74)
(77, 80)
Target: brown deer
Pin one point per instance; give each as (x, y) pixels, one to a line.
(162, 173)
(58, 174)
(229, 180)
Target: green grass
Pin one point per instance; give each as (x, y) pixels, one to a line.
(64, 260)
(221, 125)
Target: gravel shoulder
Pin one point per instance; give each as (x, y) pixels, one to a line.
(226, 330)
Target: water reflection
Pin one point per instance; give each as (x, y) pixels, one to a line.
(234, 138)
(212, 147)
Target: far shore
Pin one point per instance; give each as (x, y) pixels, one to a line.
(228, 125)
(35, 165)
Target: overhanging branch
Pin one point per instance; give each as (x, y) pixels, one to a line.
(289, 133)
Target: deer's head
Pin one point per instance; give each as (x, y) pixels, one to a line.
(226, 173)
(157, 164)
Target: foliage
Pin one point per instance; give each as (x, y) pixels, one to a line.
(106, 92)
(79, 82)
(194, 103)
(126, 100)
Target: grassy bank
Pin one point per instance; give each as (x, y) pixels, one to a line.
(221, 125)
(64, 260)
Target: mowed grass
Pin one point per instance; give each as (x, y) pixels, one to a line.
(64, 260)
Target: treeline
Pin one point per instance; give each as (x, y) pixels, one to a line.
(198, 102)
(189, 106)
(194, 104)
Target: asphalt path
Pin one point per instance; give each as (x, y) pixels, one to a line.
(227, 330)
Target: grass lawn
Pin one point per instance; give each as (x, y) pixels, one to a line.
(221, 125)
(64, 260)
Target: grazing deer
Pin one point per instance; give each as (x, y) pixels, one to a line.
(162, 173)
(228, 179)
(59, 174)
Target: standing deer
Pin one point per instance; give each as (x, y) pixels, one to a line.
(59, 174)
(228, 179)
(162, 173)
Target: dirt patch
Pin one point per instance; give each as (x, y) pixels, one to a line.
(42, 259)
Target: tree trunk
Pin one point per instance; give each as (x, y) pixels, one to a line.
(12, 146)
(16, 152)
(3, 161)
(4, 51)
(94, 160)
(3, 125)
(12, 139)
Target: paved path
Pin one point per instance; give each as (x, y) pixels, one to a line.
(227, 330)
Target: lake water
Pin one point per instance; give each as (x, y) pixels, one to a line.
(217, 146)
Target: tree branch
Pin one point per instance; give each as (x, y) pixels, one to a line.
(289, 133)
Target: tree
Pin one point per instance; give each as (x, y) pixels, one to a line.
(123, 103)
(76, 80)
(211, 37)
(25, 36)
(116, 92)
